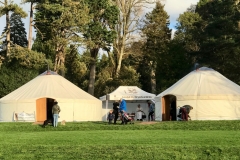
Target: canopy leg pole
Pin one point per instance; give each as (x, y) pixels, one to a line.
(106, 109)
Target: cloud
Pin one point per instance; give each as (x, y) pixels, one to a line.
(176, 7)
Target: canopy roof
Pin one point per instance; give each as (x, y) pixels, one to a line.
(204, 83)
(128, 93)
(48, 84)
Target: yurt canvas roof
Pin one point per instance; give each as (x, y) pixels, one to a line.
(204, 83)
(49, 84)
(128, 93)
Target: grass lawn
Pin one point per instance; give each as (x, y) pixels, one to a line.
(98, 140)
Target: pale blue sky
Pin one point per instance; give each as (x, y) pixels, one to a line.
(172, 7)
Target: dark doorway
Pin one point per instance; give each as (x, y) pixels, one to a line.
(173, 109)
(49, 107)
(169, 108)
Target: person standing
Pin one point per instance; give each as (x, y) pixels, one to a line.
(139, 113)
(55, 111)
(123, 108)
(150, 110)
(110, 117)
(115, 111)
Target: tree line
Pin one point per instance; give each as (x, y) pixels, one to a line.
(139, 48)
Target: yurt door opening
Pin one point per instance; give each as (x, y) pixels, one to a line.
(44, 109)
(169, 108)
(50, 102)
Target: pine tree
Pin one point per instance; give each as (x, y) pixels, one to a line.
(5, 8)
(100, 32)
(158, 36)
(219, 38)
(59, 24)
(18, 35)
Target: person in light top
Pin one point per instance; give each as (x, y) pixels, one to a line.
(139, 113)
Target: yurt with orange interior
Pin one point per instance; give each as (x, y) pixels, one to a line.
(212, 96)
(34, 100)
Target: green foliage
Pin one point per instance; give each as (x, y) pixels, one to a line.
(219, 38)
(45, 47)
(21, 66)
(106, 84)
(76, 67)
(18, 34)
(127, 77)
(13, 76)
(158, 36)
(157, 32)
(60, 24)
(95, 140)
(10, 6)
(177, 64)
(27, 58)
(100, 31)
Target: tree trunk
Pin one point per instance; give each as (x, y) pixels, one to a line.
(30, 27)
(92, 76)
(8, 32)
(153, 79)
(60, 61)
(119, 64)
(121, 50)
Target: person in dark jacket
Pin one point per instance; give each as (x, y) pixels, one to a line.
(150, 111)
(110, 116)
(115, 111)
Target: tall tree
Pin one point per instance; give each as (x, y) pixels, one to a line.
(18, 35)
(219, 38)
(61, 23)
(76, 67)
(7, 7)
(187, 31)
(127, 28)
(158, 36)
(31, 22)
(100, 32)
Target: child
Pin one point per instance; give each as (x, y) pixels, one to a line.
(110, 116)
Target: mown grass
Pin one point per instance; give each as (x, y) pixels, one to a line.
(98, 140)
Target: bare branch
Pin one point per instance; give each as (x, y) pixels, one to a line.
(3, 34)
(38, 30)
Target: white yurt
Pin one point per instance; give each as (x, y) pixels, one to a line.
(212, 96)
(33, 101)
(133, 97)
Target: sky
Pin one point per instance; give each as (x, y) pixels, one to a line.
(173, 7)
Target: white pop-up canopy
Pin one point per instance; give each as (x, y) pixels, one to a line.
(37, 97)
(212, 96)
(133, 96)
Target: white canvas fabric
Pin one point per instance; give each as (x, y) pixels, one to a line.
(128, 93)
(212, 96)
(133, 96)
(76, 104)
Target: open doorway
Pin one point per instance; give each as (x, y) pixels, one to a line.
(169, 108)
(44, 109)
(50, 102)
